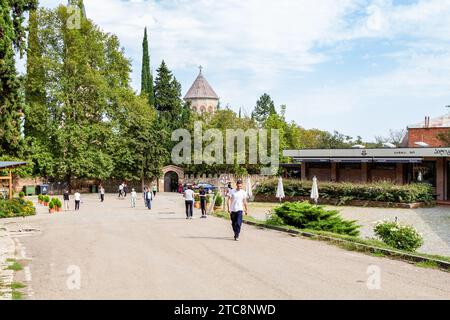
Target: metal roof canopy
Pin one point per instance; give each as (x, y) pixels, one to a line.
(368, 153)
(361, 160)
(11, 164)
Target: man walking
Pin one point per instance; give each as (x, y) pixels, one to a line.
(77, 197)
(66, 200)
(237, 204)
(154, 190)
(133, 198)
(188, 196)
(102, 194)
(120, 190)
(149, 198)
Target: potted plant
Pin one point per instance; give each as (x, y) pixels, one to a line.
(218, 204)
(196, 201)
(40, 198)
(46, 200)
(57, 205)
(51, 207)
(21, 194)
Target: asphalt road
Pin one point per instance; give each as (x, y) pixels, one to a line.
(110, 251)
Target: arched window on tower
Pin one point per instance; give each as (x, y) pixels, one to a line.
(202, 109)
(210, 109)
(194, 108)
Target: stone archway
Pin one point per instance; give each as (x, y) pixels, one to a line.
(169, 174)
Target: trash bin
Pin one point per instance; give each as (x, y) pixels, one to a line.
(29, 190)
(94, 189)
(42, 189)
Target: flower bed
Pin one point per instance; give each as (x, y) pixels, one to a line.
(371, 194)
(16, 208)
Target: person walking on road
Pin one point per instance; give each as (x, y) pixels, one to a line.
(133, 198)
(154, 190)
(125, 190)
(149, 198)
(189, 201)
(203, 201)
(77, 197)
(237, 205)
(120, 190)
(102, 194)
(66, 200)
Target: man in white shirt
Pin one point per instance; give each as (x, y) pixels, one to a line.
(77, 197)
(189, 202)
(237, 205)
(133, 198)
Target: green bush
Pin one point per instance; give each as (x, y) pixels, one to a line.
(304, 215)
(41, 197)
(56, 203)
(16, 208)
(21, 194)
(399, 236)
(219, 201)
(46, 199)
(51, 205)
(345, 192)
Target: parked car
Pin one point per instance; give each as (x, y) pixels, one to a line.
(208, 187)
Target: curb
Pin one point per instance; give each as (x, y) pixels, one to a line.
(398, 255)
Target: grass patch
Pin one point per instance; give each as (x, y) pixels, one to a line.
(17, 295)
(427, 264)
(15, 266)
(17, 285)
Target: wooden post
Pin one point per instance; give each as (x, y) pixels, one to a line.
(10, 185)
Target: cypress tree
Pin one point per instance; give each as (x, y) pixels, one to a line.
(146, 75)
(12, 34)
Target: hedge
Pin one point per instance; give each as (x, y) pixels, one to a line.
(343, 191)
(16, 208)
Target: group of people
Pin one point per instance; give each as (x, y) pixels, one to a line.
(236, 203)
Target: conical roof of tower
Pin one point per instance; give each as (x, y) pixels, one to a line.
(201, 89)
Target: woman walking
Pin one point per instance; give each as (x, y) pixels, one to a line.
(203, 201)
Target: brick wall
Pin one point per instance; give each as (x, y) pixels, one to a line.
(427, 135)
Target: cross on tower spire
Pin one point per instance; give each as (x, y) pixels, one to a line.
(200, 68)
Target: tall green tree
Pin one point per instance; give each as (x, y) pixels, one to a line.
(264, 108)
(168, 100)
(12, 39)
(146, 74)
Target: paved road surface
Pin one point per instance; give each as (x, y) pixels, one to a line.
(125, 253)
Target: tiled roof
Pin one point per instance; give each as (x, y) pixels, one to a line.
(201, 89)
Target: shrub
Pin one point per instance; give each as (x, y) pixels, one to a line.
(399, 236)
(51, 205)
(21, 194)
(41, 197)
(304, 215)
(344, 192)
(16, 208)
(219, 201)
(56, 202)
(46, 199)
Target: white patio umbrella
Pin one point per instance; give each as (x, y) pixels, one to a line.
(249, 188)
(280, 189)
(315, 190)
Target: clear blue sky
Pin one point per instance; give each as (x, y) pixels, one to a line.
(358, 66)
